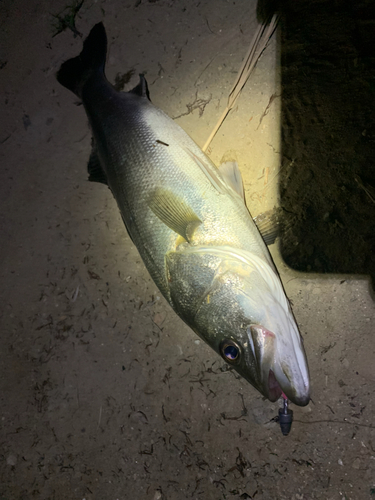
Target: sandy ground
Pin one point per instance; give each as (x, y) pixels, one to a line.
(105, 393)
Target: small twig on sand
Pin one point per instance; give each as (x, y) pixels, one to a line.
(257, 46)
(265, 112)
(196, 104)
(362, 186)
(67, 19)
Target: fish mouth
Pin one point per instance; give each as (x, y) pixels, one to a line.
(274, 390)
(278, 377)
(263, 344)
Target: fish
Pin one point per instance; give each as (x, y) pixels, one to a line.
(189, 222)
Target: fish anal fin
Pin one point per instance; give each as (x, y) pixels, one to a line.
(94, 168)
(174, 212)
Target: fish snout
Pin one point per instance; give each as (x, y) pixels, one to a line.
(302, 400)
(292, 375)
(280, 371)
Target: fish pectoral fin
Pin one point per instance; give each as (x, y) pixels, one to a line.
(174, 212)
(94, 168)
(232, 176)
(269, 224)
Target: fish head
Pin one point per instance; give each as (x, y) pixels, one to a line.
(274, 368)
(235, 302)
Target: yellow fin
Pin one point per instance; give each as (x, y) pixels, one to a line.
(174, 213)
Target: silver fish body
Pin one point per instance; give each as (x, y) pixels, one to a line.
(191, 228)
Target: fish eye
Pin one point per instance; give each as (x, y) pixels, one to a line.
(230, 351)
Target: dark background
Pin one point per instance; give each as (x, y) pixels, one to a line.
(327, 180)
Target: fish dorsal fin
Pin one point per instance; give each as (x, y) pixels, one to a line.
(232, 176)
(174, 212)
(142, 88)
(94, 168)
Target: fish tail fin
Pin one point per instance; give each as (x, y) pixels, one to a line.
(74, 73)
